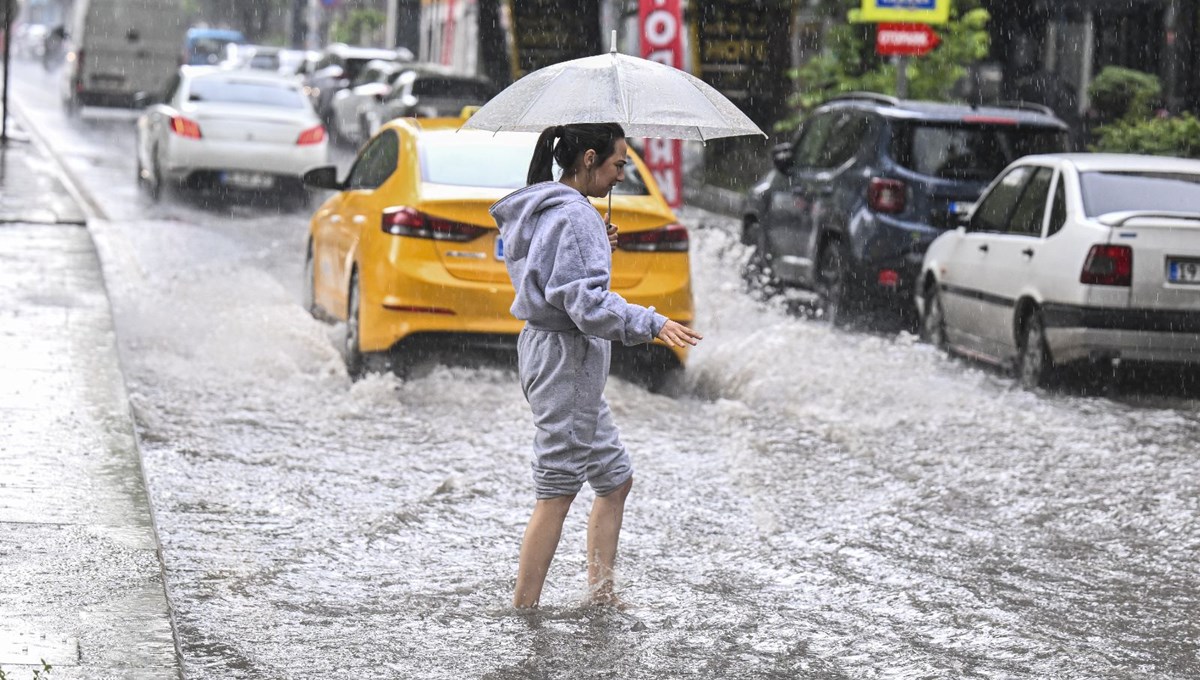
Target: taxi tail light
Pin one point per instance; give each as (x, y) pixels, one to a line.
(886, 195)
(1108, 265)
(406, 221)
(671, 238)
(313, 135)
(185, 127)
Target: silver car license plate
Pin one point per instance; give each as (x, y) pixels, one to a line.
(248, 180)
(1183, 271)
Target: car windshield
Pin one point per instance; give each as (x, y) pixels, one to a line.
(1106, 192)
(235, 91)
(971, 151)
(501, 161)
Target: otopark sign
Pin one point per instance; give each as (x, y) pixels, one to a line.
(905, 40)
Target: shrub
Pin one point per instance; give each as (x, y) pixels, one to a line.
(1175, 136)
(1123, 94)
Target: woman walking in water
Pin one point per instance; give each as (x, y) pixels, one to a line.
(558, 252)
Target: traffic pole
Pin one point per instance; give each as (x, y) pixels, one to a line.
(902, 77)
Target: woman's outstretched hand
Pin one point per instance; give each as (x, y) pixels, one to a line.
(677, 335)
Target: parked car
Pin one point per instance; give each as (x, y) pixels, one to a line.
(866, 185)
(407, 255)
(373, 83)
(210, 46)
(222, 129)
(1072, 257)
(426, 91)
(339, 66)
(119, 51)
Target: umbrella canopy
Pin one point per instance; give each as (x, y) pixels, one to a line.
(647, 98)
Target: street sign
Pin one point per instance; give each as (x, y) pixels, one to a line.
(662, 31)
(905, 40)
(903, 11)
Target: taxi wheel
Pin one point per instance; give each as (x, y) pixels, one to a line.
(309, 296)
(354, 355)
(1034, 363)
(358, 362)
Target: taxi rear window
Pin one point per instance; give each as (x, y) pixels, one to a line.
(479, 159)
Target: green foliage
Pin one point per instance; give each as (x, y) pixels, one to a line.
(358, 26)
(1123, 94)
(850, 64)
(38, 674)
(1176, 136)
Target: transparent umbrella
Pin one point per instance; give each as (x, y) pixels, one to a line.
(647, 98)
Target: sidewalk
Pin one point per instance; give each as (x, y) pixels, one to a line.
(81, 580)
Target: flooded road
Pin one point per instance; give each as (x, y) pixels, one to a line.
(808, 503)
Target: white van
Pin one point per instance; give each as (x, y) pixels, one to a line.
(120, 49)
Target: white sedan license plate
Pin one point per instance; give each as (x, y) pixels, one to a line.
(1183, 271)
(248, 180)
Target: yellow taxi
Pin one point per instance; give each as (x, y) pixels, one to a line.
(406, 254)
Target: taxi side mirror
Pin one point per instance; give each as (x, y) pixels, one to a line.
(324, 177)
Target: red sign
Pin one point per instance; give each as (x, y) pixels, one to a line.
(905, 40)
(662, 40)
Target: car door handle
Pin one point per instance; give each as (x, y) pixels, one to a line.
(1028, 252)
(359, 219)
(983, 247)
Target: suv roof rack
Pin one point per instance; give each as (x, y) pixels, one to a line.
(870, 96)
(1026, 106)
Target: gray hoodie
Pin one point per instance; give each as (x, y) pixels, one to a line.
(559, 260)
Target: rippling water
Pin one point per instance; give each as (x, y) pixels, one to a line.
(812, 503)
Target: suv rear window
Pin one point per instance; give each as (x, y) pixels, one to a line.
(969, 152)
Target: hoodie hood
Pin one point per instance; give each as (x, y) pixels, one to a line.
(516, 213)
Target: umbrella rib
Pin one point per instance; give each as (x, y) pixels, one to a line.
(621, 91)
(544, 90)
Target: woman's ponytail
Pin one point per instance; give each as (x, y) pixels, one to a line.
(541, 167)
(574, 140)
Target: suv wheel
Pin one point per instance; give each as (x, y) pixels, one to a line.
(832, 284)
(757, 273)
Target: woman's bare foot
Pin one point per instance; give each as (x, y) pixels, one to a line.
(603, 595)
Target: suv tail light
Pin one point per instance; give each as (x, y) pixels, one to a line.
(671, 238)
(886, 195)
(313, 135)
(185, 127)
(405, 221)
(1108, 266)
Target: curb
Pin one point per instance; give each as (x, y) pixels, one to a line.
(119, 393)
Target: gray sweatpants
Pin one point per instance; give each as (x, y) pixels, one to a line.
(563, 375)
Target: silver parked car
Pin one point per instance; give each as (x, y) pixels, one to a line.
(1072, 258)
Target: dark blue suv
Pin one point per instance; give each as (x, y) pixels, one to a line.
(868, 182)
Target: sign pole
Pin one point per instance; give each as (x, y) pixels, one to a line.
(902, 77)
(8, 5)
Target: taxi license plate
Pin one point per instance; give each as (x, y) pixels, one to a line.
(1183, 271)
(499, 248)
(248, 180)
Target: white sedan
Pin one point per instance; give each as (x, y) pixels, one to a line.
(222, 129)
(1071, 257)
